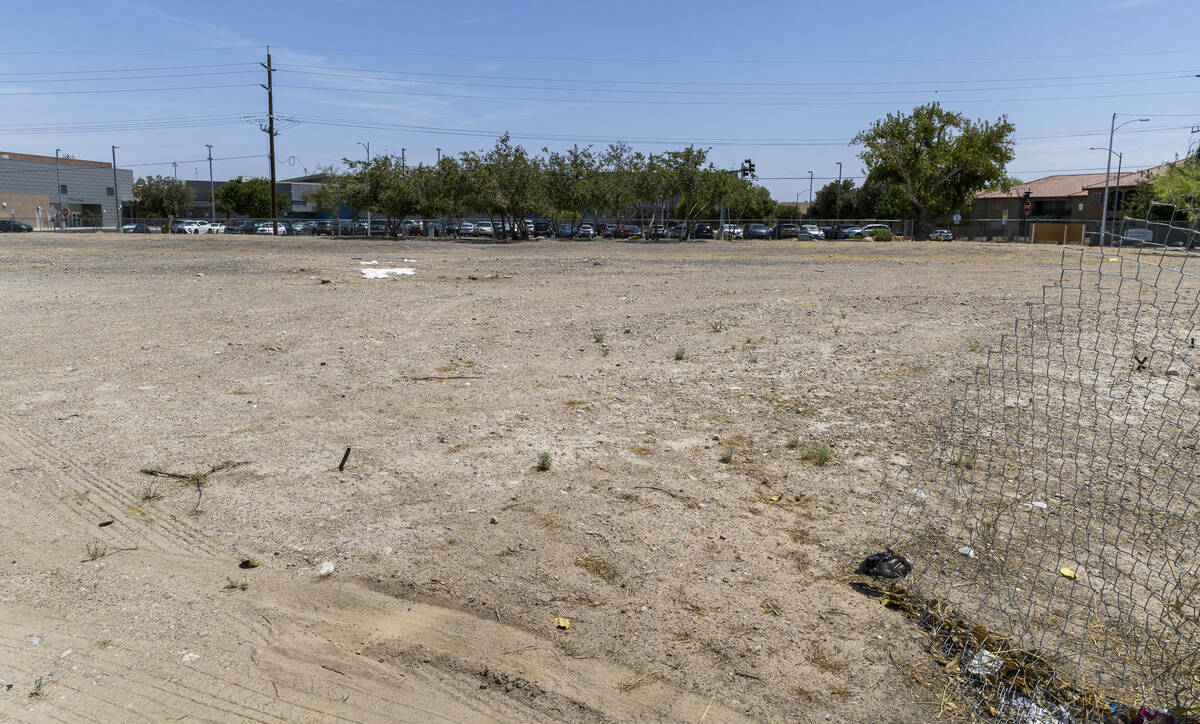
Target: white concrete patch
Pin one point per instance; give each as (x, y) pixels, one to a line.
(383, 273)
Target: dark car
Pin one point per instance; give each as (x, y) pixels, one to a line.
(542, 228)
(783, 231)
(240, 226)
(757, 231)
(703, 231)
(322, 228)
(135, 229)
(15, 226)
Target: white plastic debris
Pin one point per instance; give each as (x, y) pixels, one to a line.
(189, 657)
(384, 273)
(920, 493)
(984, 663)
(967, 551)
(373, 261)
(326, 569)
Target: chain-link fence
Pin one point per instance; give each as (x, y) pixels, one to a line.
(1053, 531)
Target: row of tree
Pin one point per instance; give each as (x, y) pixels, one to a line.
(508, 183)
(923, 165)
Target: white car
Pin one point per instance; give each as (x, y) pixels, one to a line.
(813, 231)
(733, 231)
(195, 227)
(216, 227)
(586, 231)
(264, 228)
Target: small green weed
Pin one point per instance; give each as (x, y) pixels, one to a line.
(726, 455)
(716, 325)
(680, 354)
(598, 337)
(543, 462)
(793, 443)
(819, 454)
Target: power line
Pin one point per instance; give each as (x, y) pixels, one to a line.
(196, 160)
(124, 90)
(744, 61)
(124, 77)
(126, 70)
(740, 82)
(737, 93)
(526, 99)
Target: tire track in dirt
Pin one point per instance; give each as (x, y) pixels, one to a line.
(109, 499)
(163, 676)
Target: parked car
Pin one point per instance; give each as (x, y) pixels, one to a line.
(941, 235)
(733, 231)
(240, 226)
(216, 227)
(866, 230)
(542, 228)
(14, 226)
(126, 229)
(264, 228)
(633, 229)
(484, 228)
(586, 231)
(756, 231)
(466, 228)
(564, 231)
(656, 231)
(851, 232)
(619, 232)
(195, 227)
(813, 231)
(703, 231)
(783, 231)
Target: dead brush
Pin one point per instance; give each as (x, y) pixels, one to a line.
(598, 567)
(198, 480)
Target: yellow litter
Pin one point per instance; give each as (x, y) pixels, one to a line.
(1067, 572)
(563, 623)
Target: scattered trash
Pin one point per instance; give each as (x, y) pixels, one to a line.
(105, 523)
(326, 569)
(984, 663)
(342, 464)
(563, 623)
(885, 564)
(249, 563)
(920, 493)
(383, 273)
(66, 653)
(34, 639)
(1066, 572)
(1038, 504)
(189, 657)
(1152, 716)
(373, 261)
(1029, 712)
(967, 551)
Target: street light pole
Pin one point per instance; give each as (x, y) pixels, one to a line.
(212, 196)
(439, 155)
(58, 176)
(839, 196)
(367, 145)
(1112, 129)
(116, 189)
(810, 180)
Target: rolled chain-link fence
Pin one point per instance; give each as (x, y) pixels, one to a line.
(1053, 530)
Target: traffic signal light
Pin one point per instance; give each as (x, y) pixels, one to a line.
(747, 168)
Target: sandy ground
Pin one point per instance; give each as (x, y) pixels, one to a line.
(696, 589)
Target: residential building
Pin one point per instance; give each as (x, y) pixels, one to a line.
(1067, 197)
(34, 189)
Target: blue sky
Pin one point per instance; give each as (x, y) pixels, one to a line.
(797, 78)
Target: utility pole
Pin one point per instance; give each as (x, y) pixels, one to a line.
(270, 131)
(1112, 128)
(367, 145)
(402, 166)
(58, 175)
(839, 198)
(439, 155)
(116, 189)
(175, 169)
(212, 196)
(810, 180)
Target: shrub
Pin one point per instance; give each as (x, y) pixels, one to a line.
(543, 462)
(881, 234)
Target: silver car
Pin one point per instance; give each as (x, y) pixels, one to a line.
(484, 228)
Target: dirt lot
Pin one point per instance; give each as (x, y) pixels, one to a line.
(696, 589)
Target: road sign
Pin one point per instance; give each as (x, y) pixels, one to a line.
(957, 218)
(66, 211)
(1028, 206)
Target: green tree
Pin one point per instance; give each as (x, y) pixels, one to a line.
(325, 197)
(381, 186)
(825, 204)
(939, 158)
(567, 180)
(160, 196)
(249, 197)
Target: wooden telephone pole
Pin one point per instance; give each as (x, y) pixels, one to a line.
(269, 129)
